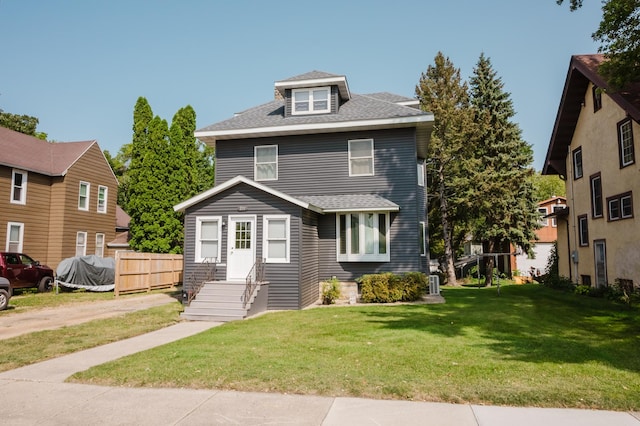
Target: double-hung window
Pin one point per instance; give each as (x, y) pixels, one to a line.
(311, 101)
(596, 195)
(276, 238)
(361, 157)
(363, 237)
(81, 243)
(208, 238)
(554, 220)
(577, 163)
(15, 235)
(99, 245)
(625, 143)
(597, 98)
(266, 162)
(83, 196)
(18, 187)
(102, 199)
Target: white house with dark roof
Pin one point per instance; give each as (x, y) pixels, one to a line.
(319, 183)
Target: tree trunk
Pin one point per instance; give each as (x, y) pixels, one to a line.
(450, 270)
(488, 280)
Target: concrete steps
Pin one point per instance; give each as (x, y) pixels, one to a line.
(220, 301)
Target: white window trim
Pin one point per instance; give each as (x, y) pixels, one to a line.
(622, 215)
(106, 198)
(361, 256)
(99, 247)
(86, 207)
(84, 248)
(554, 219)
(421, 174)
(23, 192)
(311, 110)
(265, 238)
(198, 250)
(544, 221)
(621, 142)
(577, 174)
(373, 162)
(255, 163)
(20, 237)
(423, 243)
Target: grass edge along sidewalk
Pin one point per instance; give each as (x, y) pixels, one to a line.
(530, 346)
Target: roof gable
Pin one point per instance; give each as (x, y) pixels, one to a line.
(583, 69)
(32, 154)
(315, 79)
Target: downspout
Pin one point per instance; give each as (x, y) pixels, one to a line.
(572, 212)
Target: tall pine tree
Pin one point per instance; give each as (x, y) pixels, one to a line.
(504, 201)
(442, 92)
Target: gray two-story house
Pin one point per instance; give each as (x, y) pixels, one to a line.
(319, 182)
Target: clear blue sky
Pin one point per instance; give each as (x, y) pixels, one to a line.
(80, 65)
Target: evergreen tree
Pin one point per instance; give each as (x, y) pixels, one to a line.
(504, 203)
(442, 92)
(165, 166)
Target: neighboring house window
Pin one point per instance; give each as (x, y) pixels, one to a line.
(625, 145)
(102, 199)
(596, 195)
(422, 238)
(15, 236)
(266, 162)
(208, 234)
(81, 243)
(276, 238)
(363, 237)
(543, 220)
(620, 206)
(597, 98)
(554, 220)
(361, 157)
(19, 187)
(100, 245)
(577, 163)
(420, 174)
(83, 196)
(583, 230)
(311, 101)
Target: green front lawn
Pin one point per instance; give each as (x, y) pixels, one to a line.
(530, 346)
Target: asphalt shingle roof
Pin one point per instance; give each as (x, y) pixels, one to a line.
(353, 202)
(32, 154)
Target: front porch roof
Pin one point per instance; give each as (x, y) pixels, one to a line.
(318, 203)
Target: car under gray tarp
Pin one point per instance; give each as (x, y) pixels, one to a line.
(92, 273)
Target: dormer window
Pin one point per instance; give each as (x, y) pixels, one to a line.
(311, 101)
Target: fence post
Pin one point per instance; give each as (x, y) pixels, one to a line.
(117, 275)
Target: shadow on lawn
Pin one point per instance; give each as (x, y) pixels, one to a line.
(528, 323)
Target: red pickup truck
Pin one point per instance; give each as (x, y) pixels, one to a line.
(24, 272)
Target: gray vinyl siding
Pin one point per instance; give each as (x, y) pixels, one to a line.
(284, 278)
(309, 287)
(318, 165)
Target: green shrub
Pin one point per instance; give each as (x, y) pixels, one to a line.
(557, 282)
(330, 291)
(582, 290)
(388, 287)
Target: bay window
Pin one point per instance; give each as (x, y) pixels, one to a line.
(362, 237)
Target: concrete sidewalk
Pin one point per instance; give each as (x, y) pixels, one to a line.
(37, 394)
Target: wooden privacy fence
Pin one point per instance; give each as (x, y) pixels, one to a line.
(136, 272)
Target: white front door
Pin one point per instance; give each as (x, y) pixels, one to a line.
(241, 247)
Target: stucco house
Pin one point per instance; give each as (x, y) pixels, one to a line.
(57, 199)
(592, 147)
(319, 182)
